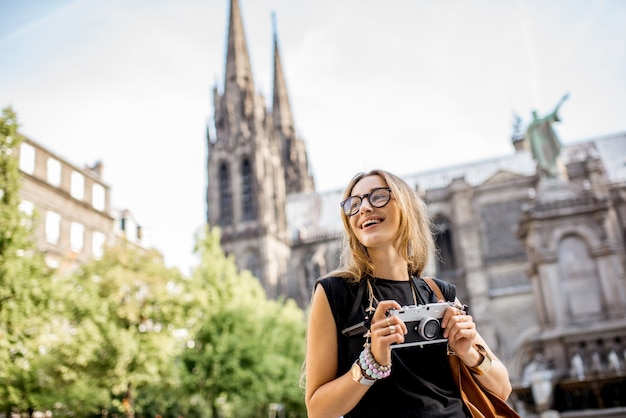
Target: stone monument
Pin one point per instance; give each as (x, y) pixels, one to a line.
(544, 143)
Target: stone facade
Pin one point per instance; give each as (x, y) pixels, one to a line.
(70, 208)
(541, 264)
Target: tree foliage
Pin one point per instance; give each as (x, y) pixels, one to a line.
(127, 335)
(247, 350)
(138, 299)
(24, 281)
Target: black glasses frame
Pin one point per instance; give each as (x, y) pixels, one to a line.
(346, 204)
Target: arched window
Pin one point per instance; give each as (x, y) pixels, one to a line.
(226, 195)
(579, 279)
(312, 270)
(287, 152)
(253, 264)
(444, 241)
(247, 191)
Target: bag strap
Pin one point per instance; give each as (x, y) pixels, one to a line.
(480, 401)
(434, 287)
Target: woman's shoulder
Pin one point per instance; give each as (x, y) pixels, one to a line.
(341, 293)
(336, 283)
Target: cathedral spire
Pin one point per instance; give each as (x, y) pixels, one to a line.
(293, 152)
(281, 109)
(238, 81)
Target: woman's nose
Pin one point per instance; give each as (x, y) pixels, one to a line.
(364, 206)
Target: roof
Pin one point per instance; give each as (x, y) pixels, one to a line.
(313, 216)
(611, 150)
(316, 215)
(475, 173)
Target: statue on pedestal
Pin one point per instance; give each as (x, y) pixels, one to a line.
(544, 142)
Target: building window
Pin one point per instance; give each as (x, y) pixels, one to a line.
(27, 158)
(247, 191)
(54, 172)
(97, 244)
(77, 186)
(97, 197)
(226, 196)
(53, 227)
(509, 283)
(312, 271)
(27, 208)
(445, 244)
(253, 264)
(579, 280)
(77, 236)
(287, 152)
(130, 229)
(500, 242)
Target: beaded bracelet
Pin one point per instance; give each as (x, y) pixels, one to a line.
(371, 367)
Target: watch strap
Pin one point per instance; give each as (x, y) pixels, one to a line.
(484, 366)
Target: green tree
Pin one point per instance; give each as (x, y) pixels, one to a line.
(126, 334)
(248, 350)
(24, 282)
(117, 334)
(139, 299)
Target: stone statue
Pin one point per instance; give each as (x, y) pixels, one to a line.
(544, 143)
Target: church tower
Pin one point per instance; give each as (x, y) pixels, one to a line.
(293, 152)
(254, 161)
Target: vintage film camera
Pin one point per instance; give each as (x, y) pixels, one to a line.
(423, 323)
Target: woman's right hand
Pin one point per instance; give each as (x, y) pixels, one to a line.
(386, 329)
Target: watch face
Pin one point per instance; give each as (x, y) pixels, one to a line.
(357, 374)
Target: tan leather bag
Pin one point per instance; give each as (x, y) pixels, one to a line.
(481, 402)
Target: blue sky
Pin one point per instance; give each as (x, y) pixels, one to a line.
(406, 85)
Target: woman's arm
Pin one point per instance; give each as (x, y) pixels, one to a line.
(497, 378)
(460, 330)
(326, 396)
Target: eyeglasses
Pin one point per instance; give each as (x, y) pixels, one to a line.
(377, 197)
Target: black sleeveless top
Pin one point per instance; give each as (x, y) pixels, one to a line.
(420, 384)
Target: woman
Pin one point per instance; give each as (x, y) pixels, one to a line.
(352, 328)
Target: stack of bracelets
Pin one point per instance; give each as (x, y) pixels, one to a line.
(370, 366)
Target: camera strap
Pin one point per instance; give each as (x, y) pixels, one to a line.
(416, 291)
(363, 326)
(359, 298)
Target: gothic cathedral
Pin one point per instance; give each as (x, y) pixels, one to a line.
(254, 161)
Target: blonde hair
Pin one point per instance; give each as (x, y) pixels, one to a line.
(414, 239)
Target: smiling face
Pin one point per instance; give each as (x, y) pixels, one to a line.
(374, 227)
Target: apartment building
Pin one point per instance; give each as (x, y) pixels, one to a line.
(70, 207)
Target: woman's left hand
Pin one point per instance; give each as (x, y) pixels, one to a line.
(459, 329)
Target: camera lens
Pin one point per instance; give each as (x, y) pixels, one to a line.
(429, 328)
